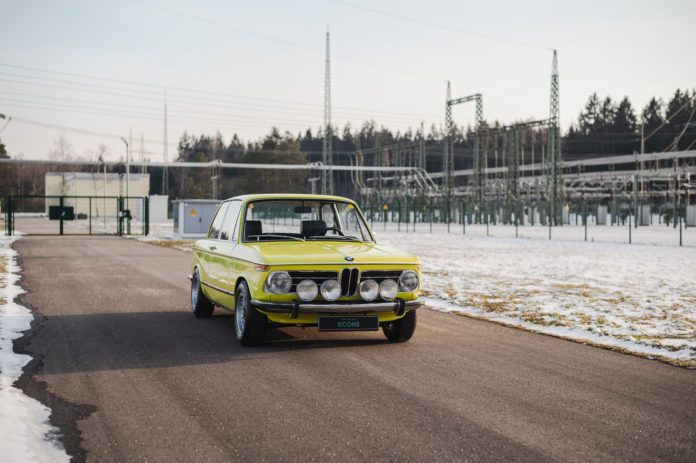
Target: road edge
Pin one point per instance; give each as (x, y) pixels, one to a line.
(64, 414)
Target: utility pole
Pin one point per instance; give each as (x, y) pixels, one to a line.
(327, 153)
(422, 163)
(165, 152)
(127, 163)
(130, 143)
(143, 169)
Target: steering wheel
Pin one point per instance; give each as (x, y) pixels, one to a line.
(334, 229)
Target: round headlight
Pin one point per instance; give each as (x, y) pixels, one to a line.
(307, 290)
(408, 281)
(388, 289)
(369, 290)
(279, 282)
(330, 290)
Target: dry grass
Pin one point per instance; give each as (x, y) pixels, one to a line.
(181, 245)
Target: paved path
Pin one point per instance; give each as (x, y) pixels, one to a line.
(133, 376)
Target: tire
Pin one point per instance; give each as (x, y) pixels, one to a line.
(249, 323)
(201, 306)
(402, 329)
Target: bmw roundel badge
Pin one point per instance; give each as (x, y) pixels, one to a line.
(349, 258)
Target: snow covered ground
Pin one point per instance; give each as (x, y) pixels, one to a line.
(25, 432)
(638, 298)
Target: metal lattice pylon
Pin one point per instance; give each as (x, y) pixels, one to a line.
(480, 148)
(555, 181)
(327, 152)
(447, 160)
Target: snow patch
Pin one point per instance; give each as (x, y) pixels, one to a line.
(25, 432)
(637, 298)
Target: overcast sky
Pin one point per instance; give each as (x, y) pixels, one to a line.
(262, 64)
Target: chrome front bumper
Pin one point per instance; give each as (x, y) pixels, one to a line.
(295, 308)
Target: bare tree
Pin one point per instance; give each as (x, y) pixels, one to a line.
(62, 149)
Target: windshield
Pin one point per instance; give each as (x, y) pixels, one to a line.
(303, 220)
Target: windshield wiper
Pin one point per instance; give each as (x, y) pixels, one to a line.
(271, 235)
(346, 238)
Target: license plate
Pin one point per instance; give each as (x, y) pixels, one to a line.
(348, 323)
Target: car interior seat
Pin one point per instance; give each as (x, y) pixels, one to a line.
(252, 228)
(312, 228)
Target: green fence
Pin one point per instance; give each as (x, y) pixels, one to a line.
(114, 215)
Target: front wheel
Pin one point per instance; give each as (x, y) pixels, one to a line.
(201, 306)
(402, 329)
(249, 323)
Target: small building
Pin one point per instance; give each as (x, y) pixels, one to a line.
(192, 217)
(97, 185)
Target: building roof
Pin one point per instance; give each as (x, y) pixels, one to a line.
(91, 175)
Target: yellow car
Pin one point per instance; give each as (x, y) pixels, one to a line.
(302, 260)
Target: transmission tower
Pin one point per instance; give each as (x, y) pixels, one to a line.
(447, 159)
(480, 146)
(327, 153)
(555, 181)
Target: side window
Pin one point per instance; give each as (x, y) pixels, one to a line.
(229, 225)
(217, 222)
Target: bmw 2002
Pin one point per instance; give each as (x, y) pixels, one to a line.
(302, 260)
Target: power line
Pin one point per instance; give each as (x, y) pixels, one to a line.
(147, 113)
(282, 41)
(441, 26)
(290, 106)
(131, 115)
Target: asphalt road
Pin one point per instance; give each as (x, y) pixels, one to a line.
(132, 376)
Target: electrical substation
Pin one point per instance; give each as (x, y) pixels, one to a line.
(513, 174)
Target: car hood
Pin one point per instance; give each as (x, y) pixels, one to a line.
(289, 253)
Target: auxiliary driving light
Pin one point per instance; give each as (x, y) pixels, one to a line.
(408, 281)
(369, 290)
(330, 290)
(279, 282)
(307, 290)
(388, 289)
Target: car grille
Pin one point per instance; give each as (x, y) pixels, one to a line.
(317, 277)
(381, 275)
(349, 281)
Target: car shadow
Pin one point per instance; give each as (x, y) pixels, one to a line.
(161, 339)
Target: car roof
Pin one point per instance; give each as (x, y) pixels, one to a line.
(254, 197)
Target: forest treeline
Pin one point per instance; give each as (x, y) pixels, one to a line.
(603, 127)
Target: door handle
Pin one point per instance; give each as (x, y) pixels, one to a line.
(213, 248)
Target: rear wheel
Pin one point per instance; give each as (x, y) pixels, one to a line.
(200, 305)
(402, 329)
(249, 323)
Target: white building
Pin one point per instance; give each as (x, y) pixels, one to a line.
(104, 189)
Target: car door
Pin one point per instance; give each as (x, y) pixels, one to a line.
(226, 267)
(207, 251)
